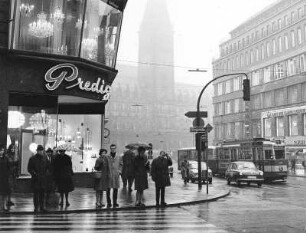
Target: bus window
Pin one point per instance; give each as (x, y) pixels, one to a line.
(268, 154)
(279, 154)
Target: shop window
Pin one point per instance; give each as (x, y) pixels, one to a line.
(293, 125)
(280, 132)
(57, 27)
(267, 127)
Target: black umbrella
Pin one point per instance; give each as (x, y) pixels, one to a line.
(133, 146)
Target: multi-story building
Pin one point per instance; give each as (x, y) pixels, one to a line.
(271, 48)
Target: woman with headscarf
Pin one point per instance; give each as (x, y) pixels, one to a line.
(101, 184)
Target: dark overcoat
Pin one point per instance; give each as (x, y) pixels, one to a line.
(63, 173)
(4, 176)
(50, 186)
(159, 171)
(37, 167)
(141, 172)
(128, 169)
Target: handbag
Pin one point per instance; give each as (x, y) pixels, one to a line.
(97, 174)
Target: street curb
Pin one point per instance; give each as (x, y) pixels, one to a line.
(216, 197)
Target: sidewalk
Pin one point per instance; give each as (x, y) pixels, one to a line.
(83, 199)
(297, 173)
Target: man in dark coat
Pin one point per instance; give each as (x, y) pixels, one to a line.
(128, 170)
(160, 175)
(37, 167)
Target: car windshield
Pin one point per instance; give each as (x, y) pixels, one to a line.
(195, 166)
(246, 165)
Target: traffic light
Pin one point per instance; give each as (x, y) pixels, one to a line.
(246, 90)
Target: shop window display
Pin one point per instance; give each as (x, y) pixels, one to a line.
(86, 29)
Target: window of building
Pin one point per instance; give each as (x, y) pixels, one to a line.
(279, 70)
(286, 42)
(302, 63)
(280, 46)
(292, 94)
(228, 107)
(257, 54)
(267, 127)
(279, 22)
(220, 88)
(95, 39)
(267, 74)
(236, 105)
(304, 31)
(292, 38)
(237, 83)
(279, 97)
(299, 35)
(286, 20)
(228, 86)
(262, 52)
(273, 47)
(292, 66)
(300, 13)
(304, 123)
(256, 129)
(251, 56)
(238, 130)
(238, 44)
(247, 58)
(292, 16)
(267, 99)
(268, 29)
(293, 125)
(256, 101)
(262, 32)
(273, 26)
(229, 130)
(255, 78)
(241, 60)
(280, 129)
(268, 49)
(221, 108)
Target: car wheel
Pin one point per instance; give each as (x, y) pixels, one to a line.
(259, 185)
(249, 183)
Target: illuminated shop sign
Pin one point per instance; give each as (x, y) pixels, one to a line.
(296, 141)
(57, 74)
(283, 112)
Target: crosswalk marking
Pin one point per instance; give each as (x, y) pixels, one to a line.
(159, 220)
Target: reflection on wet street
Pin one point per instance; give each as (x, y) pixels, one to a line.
(276, 207)
(159, 220)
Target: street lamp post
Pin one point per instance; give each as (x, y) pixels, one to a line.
(199, 119)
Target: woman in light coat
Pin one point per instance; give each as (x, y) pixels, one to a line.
(101, 184)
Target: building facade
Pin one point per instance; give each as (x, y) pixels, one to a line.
(57, 65)
(270, 48)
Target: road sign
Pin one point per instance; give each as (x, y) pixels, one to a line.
(197, 129)
(193, 114)
(195, 122)
(208, 128)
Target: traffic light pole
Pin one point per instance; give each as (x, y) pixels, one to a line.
(198, 124)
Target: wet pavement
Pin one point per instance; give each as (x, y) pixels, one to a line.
(84, 199)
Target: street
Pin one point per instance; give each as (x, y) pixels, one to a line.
(276, 207)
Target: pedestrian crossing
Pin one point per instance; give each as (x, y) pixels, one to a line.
(146, 220)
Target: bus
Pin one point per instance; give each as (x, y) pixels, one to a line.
(267, 155)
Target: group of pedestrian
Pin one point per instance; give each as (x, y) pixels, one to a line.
(8, 174)
(134, 167)
(49, 172)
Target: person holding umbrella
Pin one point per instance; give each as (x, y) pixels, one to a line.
(160, 175)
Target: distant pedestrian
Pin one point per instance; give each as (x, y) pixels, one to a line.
(101, 184)
(13, 164)
(160, 175)
(4, 178)
(50, 183)
(150, 151)
(142, 166)
(115, 168)
(128, 171)
(37, 167)
(63, 175)
(184, 170)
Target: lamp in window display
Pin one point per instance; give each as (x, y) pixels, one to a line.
(57, 17)
(26, 9)
(79, 23)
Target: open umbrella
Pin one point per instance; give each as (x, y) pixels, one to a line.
(133, 146)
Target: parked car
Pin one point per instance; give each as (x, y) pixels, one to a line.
(243, 171)
(192, 172)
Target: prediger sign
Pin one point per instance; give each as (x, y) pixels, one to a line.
(55, 81)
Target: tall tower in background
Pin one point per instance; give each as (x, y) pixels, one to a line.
(156, 46)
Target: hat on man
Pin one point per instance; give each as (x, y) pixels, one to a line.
(39, 147)
(49, 150)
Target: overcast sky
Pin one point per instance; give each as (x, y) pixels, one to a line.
(199, 27)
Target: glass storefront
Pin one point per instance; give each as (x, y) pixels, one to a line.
(87, 29)
(32, 124)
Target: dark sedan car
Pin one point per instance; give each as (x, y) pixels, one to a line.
(243, 171)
